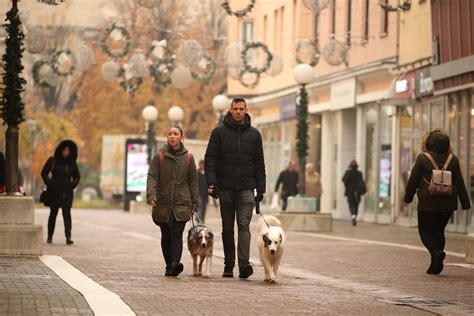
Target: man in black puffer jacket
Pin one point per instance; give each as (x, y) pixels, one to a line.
(234, 167)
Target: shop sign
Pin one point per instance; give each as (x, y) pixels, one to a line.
(343, 94)
(405, 86)
(424, 82)
(288, 108)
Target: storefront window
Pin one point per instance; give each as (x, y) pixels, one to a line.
(437, 114)
(385, 161)
(471, 167)
(334, 163)
(371, 115)
(405, 156)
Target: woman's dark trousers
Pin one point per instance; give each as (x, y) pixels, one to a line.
(353, 199)
(172, 240)
(431, 226)
(67, 221)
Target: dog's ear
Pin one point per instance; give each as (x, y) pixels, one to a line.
(281, 238)
(211, 235)
(266, 240)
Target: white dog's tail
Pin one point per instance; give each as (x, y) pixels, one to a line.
(270, 219)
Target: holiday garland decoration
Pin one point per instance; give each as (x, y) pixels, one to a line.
(251, 84)
(238, 13)
(129, 84)
(302, 126)
(36, 73)
(208, 65)
(11, 103)
(119, 32)
(304, 45)
(256, 45)
(60, 58)
(163, 66)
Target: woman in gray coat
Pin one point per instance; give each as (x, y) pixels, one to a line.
(173, 191)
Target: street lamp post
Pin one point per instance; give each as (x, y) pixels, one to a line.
(150, 114)
(303, 74)
(220, 103)
(176, 115)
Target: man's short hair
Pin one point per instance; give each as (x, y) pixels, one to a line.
(238, 99)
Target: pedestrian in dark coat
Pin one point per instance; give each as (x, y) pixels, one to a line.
(434, 211)
(172, 190)
(203, 196)
(289, 180)
(61, 176)
(234, 167)
(353, 182)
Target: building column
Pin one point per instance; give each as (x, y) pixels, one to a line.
(327, 158)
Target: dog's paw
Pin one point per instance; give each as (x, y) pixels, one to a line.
(207, 275)
(266, 280)
(272, 280)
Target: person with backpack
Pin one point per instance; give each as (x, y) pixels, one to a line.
(173, 191)
(438, 183)
(355, 188)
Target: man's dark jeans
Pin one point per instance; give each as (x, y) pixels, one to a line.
(238, 204)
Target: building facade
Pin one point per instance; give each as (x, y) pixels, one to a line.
(372, 108)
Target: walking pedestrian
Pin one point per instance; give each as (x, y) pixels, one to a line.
(203, 196)
(61, 175)
(172, 190)
(288, 178)
(234, 167)
(434, 211)
(354, 189)
(314, 187)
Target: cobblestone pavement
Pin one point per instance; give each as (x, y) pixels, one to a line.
(28, 287)
(319, 275)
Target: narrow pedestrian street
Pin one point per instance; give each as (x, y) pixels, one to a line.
(325, 274)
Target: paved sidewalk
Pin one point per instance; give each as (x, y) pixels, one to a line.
(121, 252)
(28, 287)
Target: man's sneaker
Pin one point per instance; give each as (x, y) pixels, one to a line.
(176, 268)
(69, 241)
(354, 220)
(245, 271)
(168, 271)
(49, 240)
(228, 272)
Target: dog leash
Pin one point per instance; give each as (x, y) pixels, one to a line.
(257, 209)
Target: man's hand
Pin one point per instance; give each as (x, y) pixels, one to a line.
(259, 197)
(213, 191)
(152, 202)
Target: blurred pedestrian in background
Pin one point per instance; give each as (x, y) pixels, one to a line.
(313, 185)
(355, 188)
(61, 176)
(288, 178)
(173, 191)
(203, 196)
(435, 210)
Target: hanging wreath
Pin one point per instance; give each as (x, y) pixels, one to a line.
(119, 32)
(161, 70)
(315, 56)
(238, 13)
(160, 51)
(58, 64)
(208, 65)
(255, 45)
(130, 85)
(252, 84)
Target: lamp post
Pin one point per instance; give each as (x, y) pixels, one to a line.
(150, 114)
(220, 103)
(176, 114)
(303, 74)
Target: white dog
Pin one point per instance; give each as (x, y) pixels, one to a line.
(200, 244)
(271, 244)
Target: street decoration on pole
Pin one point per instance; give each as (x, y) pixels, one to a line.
(150, 114)
(117, 33)
(335, 52)
(405, 6)
(307, 48)
(303, 74)
(238, 13)
(12, 105)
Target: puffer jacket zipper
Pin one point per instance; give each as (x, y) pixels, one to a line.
(238, 158)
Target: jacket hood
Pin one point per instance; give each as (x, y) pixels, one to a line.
(58, 153)
(438, 142)
(232, 124)
(168, 149)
